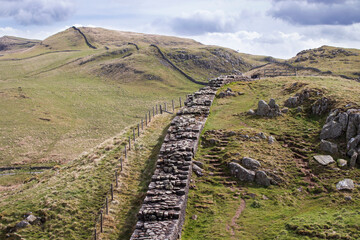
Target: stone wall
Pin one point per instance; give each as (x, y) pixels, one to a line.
(163, 211)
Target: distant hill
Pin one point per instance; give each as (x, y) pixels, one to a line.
(340, 61)
(13, 44)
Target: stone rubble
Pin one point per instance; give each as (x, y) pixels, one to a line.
(163, 211)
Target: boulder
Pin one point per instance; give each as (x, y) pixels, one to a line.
(329, 147)
(262, 179)
(22, 224)
(241, 173)
(272, 103)
(271, 139)
(353, 143)
(285, 110)
(331, 129)
(197, 170)
(342, 162)
(353, 160)
(291, 102)
(346, 184)
(324, 159)
(263, 108)
(353, 127)
(251, 112)
(250, 163)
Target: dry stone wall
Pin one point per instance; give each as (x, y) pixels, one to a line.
(162, 213)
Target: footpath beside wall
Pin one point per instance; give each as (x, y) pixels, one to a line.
(163, 211)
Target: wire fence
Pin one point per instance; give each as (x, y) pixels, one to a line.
(135, 132)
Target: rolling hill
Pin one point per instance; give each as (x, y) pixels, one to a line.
(72, 102)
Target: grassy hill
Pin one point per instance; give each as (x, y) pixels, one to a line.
(340, 61)
(305, 204)
(9, 44)
(61, 97)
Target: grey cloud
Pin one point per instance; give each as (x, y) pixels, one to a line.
(203, 22)
(317, 12)
(36, 12)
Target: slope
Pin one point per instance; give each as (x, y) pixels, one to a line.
(305, 203)
(62, 97)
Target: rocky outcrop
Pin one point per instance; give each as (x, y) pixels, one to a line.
(343, 124)
(248, 171)
(267, 110)
(163, 211)
(318, 105)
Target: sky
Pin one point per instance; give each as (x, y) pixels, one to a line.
(278, 28)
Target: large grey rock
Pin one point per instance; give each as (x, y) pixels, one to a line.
(250, 163)
(353, 127)
(336, 125)
(321, 106)
(331, 129)
(353, 143)
(272, 103)
(353, 160)
(263, 108)
(346, 184)
(324, 159)
(329, 147)
(22, 224)
(291, 102)
(197, 170)
(241, 173)
(262, 179)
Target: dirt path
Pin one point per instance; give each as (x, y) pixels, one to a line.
(238, 212)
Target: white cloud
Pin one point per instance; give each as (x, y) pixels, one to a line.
(36, 12)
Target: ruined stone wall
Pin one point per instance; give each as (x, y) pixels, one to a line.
(163, 211)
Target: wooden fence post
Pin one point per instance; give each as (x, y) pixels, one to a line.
(101, 221)
(180, 102)
(134, 134)
(129, 143)
(160, 109)
(142, 124)
(116, 179)
(95, 235)
(156, 109)
(165, 108)
(107, 206)
(125, 151)
(153, 112)
(149, 116)
(146, 120)
(138, 130)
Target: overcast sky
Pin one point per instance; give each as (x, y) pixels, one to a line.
(278, 28)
